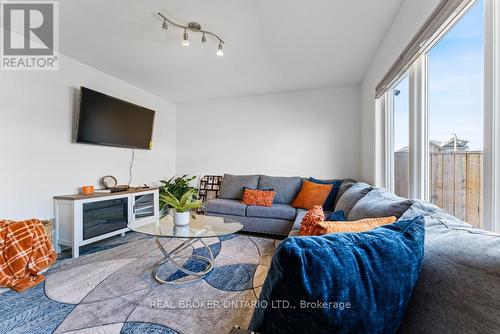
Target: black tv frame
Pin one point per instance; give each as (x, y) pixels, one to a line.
(77, 121)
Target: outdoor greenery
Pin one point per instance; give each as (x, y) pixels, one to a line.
(177, 187)
(185, 203)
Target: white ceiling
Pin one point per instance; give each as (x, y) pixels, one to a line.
(271, 45)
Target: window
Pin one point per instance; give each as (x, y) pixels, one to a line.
(435, 117)
(455, 117)
(401, 126)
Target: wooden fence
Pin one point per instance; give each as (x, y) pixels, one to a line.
(401, 174)
(456, 182)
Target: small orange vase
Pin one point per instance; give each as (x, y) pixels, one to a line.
(87, 190)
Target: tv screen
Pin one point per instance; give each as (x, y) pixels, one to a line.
(105, 120)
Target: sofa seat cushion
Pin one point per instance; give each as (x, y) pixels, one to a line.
(301, 213)
(379, 203)
(458, 289)
(286, 188)
(280, 211)
(232, 185)
(364, 279)
(225, 206)
(351, 196)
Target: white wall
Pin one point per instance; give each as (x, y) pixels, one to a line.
(306, 133)
(411, 16)
(38, 159)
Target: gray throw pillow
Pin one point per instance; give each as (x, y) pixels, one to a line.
(352, 195)
(379, 203)
(232, 185)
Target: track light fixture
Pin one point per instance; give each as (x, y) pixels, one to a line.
(194, 27)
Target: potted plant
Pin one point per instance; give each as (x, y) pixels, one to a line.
(182, 206)
(176, 186)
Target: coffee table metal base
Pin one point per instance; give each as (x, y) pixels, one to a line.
(170, 257)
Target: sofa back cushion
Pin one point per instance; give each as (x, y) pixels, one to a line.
(286, 188)
(346, 184)
(351, 196)
(364, 279)
(379, 203)
(232, 185)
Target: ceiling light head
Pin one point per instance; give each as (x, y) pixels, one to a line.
(203, 40)
(185, 38)
(164, 25)
(220, 50)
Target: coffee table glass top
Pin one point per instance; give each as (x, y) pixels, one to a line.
(199, 227)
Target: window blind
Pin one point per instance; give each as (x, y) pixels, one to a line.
(445, 15)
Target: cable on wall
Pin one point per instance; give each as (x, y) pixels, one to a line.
(131, 167)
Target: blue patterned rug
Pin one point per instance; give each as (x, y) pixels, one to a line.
(110, 290)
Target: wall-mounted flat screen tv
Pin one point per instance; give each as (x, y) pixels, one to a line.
(105, 120)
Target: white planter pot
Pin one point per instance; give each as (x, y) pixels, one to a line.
(181, 218)
(181, 231)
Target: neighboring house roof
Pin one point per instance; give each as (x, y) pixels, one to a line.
(450, 145)
(433, 146)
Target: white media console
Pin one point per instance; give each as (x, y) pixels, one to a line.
(83, 219)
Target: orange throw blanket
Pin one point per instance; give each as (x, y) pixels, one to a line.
(25, 250)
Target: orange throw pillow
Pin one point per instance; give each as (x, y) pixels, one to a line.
(363, 225)
(312, 217)
(254, 197)
(311, 194)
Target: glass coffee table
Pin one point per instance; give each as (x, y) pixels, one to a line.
(199, 228)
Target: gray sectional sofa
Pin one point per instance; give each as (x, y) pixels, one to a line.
(277, 219)
(459, 286)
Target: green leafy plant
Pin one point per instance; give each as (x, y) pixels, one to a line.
(185, 203)
(176, 186)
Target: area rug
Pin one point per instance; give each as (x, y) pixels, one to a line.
(110, 290)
